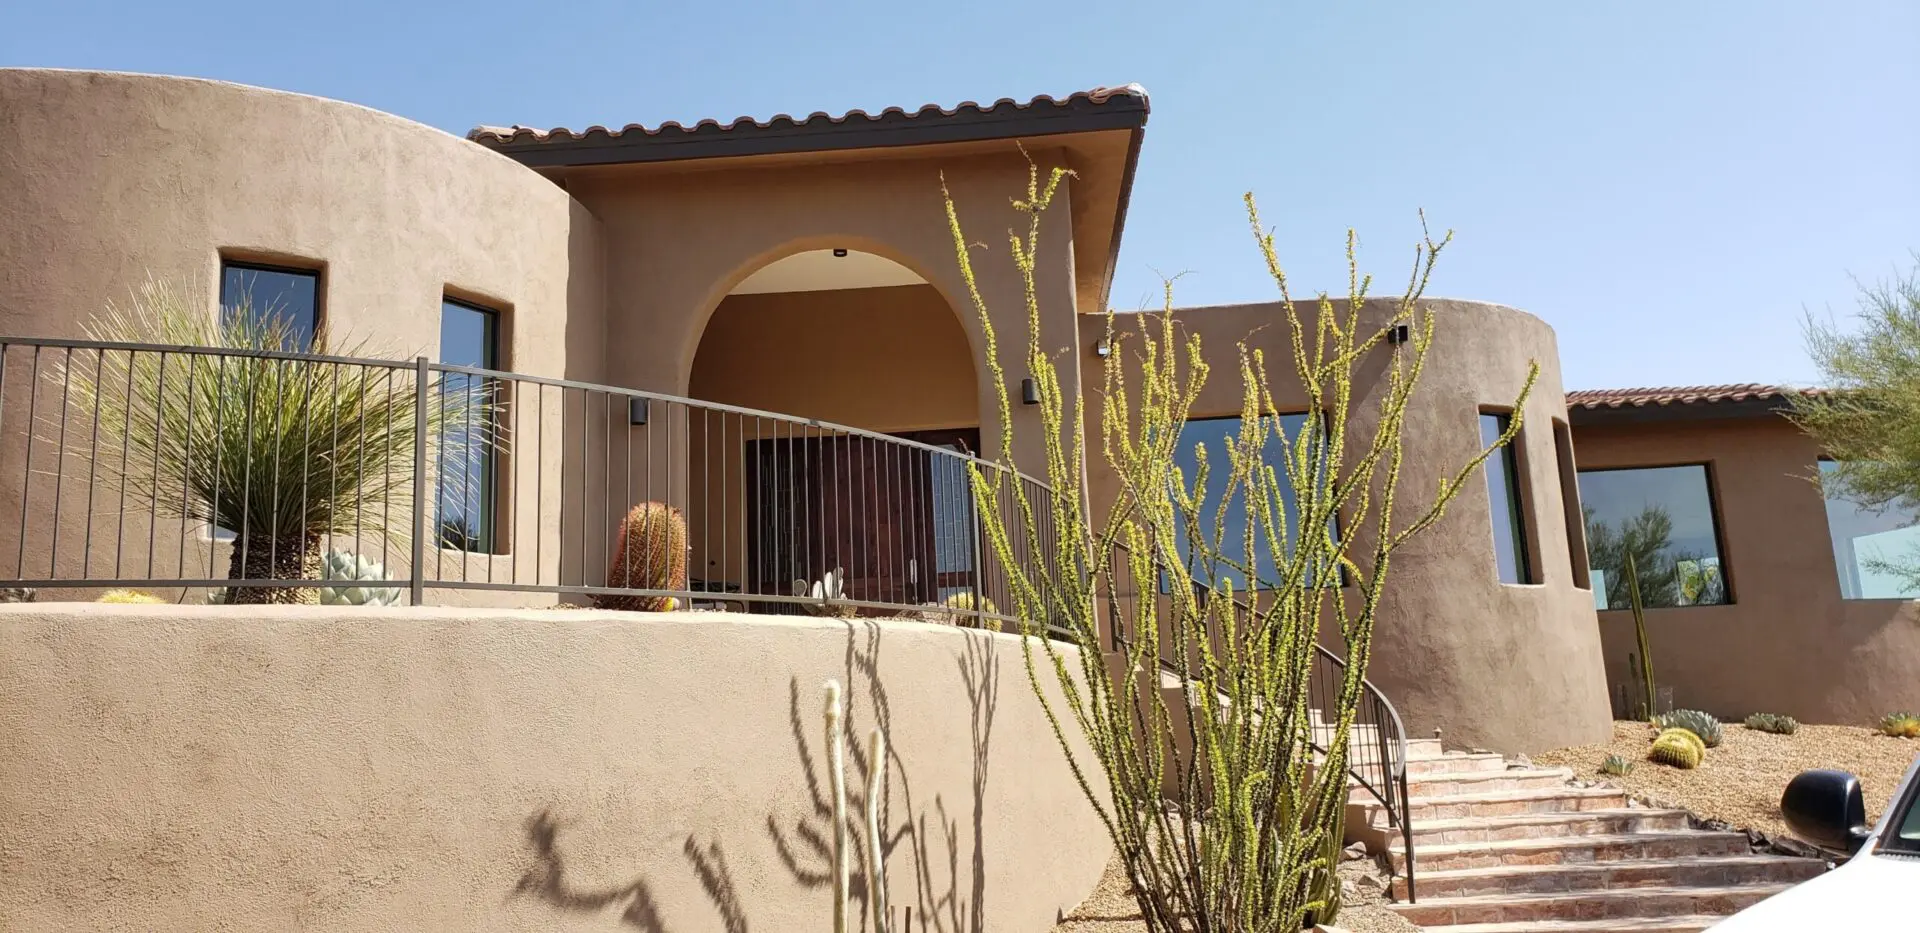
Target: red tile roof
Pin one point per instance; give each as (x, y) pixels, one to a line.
(1677, 395)
(1132, 95)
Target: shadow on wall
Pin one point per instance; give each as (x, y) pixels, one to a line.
(803, 843)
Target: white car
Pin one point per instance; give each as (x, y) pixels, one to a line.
(1873, 890)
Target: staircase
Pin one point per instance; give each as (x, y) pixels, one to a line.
(1511, 848)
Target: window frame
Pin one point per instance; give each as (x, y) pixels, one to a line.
(1339, 514)
(1714, 515)
(1838, 577)
(496, 467)
(283, 266)
(1579, 562)
(1514, 457)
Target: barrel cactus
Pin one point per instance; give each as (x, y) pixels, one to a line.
(962, 607)
(1774, 723)
(1679, 748)
(650, 554)
(1902, 724)
(1694, 721)
(357, 570)
(130, 597)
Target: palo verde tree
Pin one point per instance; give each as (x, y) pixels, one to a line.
(1868, 420)
(1239, 832)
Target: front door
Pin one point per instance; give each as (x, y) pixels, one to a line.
(896, 521)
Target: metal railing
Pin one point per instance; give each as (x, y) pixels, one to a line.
(233, 473)
(1377, 742)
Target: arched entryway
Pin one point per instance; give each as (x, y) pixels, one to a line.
(855, 339)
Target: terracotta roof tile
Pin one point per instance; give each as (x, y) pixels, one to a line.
(1678, 395)
(1097, 97)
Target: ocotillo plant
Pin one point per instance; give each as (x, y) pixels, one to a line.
(1640, 636)
(876, 788)
(1244, 839)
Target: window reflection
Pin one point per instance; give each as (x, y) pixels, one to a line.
(1215, 434)
(264, 293)
(1663, 519)
(1875, 550)
(465, 493)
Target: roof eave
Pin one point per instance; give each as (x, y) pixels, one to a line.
(1653, 413)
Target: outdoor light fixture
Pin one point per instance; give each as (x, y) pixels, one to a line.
(1397, 334)
(637, 412)
(1103, 349)
(839, 254)
(1029, 393)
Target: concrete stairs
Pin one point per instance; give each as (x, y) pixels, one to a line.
(1506, 848)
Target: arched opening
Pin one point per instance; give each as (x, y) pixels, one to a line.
(855, 339)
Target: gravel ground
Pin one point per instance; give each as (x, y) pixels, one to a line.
(1111, 909)
(1741, 781)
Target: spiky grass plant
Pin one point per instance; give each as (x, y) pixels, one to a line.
(282, 451)
(1247, 841)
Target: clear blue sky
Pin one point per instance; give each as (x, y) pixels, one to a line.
(1668, 184)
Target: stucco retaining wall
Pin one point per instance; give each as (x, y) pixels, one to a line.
(301, 768)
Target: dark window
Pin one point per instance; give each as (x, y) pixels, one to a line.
(465, 499)
(1570, 503)
(1874, 547)
(272, 296)
(1664, 519)
(1509, 506)
(1215, 434)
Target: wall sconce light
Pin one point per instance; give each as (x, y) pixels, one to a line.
(840, 254)
(1029, 393)
(1397, 334)
(1103, 349)
(637, 412)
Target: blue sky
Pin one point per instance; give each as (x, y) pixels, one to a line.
(1669, 185)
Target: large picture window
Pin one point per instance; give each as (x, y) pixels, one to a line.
(1215, 434)
(1663, 518)
(465, 499)
(1875, 550)
(1510, 555)
(266, 292)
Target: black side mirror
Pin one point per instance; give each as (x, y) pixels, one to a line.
(1824, 808)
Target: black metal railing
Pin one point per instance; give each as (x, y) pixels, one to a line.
(1377, 741)
(256, 475)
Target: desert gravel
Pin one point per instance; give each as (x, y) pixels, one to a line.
(1740, 782)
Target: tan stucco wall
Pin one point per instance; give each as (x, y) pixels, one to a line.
(109, 179)
(173, 769)
(1788, 643)
(1513, 668)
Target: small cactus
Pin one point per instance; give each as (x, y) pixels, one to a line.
(129, 597)
(650, 554)
(1616, 765)
(351, 567)
(1679, 748)
(1694, 721)
(826, 594)
(961, 607)
(1902, 725)
(1774, 723)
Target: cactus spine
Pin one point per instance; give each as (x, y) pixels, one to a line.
(650, 554)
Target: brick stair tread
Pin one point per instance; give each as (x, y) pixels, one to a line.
(1698, 861)
(1539, 819)
(1691, 923)
(1507, 796)
(1557, 842)
(1610, 894)
(1441, 777)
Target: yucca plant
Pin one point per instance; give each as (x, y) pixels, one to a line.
(280, 451)
(1247, 841)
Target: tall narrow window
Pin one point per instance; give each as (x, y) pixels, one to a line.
(1570, 504)
(1503, 493)
(1215, 434)
(465, 497)
(1663, 521)
(1873, 546)
(273, 296)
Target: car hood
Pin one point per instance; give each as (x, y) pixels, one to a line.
(1867, 893)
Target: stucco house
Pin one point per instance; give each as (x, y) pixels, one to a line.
(803, 268)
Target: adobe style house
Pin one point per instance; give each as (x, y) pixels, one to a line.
(805, 267)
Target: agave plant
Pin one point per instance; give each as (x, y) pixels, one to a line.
(282, 451)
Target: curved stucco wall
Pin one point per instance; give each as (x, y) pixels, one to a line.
(1513, 668)
(110, 179)
(176, 769)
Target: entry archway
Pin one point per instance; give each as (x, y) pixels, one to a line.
(855, 339)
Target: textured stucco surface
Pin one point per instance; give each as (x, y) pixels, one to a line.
(174, 769)
(1512, 668)
(1788, 643)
